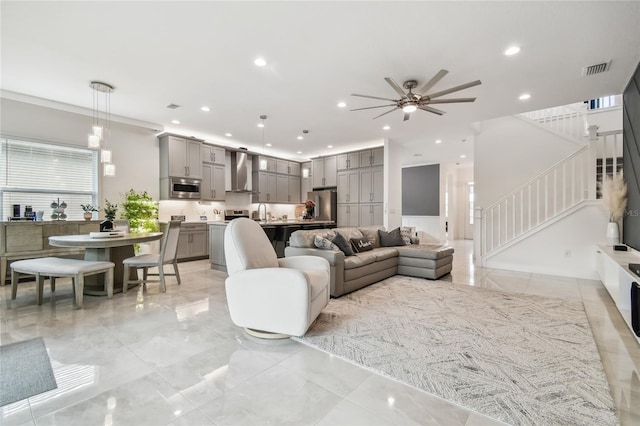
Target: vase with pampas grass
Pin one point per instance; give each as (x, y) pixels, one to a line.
(614, 198)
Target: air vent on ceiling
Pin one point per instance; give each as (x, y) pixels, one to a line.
(596, 69)
(173, 106)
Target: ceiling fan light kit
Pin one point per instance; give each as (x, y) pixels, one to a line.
(409, 101)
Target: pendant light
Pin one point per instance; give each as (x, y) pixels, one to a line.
(101, 126)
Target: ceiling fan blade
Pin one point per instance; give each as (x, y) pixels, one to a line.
(396, 87)
(373, 97)
(455, 89)
(436, 78)
(379, 106)
(385, 113)
(451, 101)
(433, 110)
(407, 115)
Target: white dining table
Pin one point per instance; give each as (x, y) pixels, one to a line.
(112, 249)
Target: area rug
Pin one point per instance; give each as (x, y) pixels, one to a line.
(521, 359)
(25, 370)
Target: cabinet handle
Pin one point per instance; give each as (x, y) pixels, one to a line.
(213, 156)
(186, 171)
(213, 191)
(322, 181)
(348, 163)
(371, 159)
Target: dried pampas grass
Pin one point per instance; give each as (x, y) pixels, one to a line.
(614, 196)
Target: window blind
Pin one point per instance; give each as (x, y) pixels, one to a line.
(38, 173)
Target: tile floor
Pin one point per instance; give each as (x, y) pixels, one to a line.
(147, 358)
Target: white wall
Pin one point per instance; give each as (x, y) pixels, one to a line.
(392, 185)
(565, 248)
(135, 150)
(508, 152)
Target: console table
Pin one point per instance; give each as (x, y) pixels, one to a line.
(28, 240)
(613, 269)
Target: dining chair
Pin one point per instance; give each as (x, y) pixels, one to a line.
(167, 255)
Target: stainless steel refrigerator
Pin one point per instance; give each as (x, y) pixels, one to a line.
(326, 204)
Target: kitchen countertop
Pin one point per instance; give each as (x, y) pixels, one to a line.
(279, 222)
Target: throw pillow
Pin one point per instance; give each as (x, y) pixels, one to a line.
(323, 243)
(361, 244)
(407, 232)
(343, 245)
(391, 238)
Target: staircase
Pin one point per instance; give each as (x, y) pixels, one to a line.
(556, 192)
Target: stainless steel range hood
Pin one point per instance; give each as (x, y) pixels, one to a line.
(239, 172)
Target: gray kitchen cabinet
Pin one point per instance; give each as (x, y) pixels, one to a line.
(324, 171)
(348, 186)
(348, 215)
(350, 160)
(267, 164)
(372, 157)
(193, 241)
(294, 189)
(212, 186)
(216, 247)
(294, 168)
(180, 157)
(371, 185)
(371, 214)
(305, 181)
(212, 154)
(282, 167)
(282, 189)
(267, 187)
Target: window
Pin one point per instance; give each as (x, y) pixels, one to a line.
(38, 173)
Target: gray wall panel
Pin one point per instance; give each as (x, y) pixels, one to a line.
(421, 190)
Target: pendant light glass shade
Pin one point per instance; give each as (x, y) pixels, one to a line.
(109, 169)
(105, 156)
(97, 131)
(94, 141)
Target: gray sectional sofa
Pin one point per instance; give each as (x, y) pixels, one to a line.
(350, 273)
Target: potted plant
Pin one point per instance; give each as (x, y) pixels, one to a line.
(141, 211)
(614, 198)
(109, 215)
(309, 205)
(88, 210)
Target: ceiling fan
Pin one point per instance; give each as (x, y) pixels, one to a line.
(410, 102)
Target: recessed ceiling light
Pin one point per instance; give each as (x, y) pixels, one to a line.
(463, 156)
(260, 62)
(512, 50)
(329, 146)
(524, 96)
(268, 144)
(228, 135)
(386, 127)
(300, 138)
(175, 121)
(438, 141)
(260, 124)
(205, 109)
(299, 152)
(341, 104)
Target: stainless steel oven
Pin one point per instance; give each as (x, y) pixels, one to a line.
(184, 188)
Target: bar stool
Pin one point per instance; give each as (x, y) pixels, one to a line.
(283, 233)
(271, 234)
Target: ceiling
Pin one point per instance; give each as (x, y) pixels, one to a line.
(201, 53)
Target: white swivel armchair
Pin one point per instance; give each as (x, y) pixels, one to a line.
(267, 296)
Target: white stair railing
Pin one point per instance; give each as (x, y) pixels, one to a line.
(568, 120)
(549, 194)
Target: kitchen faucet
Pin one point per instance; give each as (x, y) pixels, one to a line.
(265, 211)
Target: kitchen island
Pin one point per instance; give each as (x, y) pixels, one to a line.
(271, 227)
